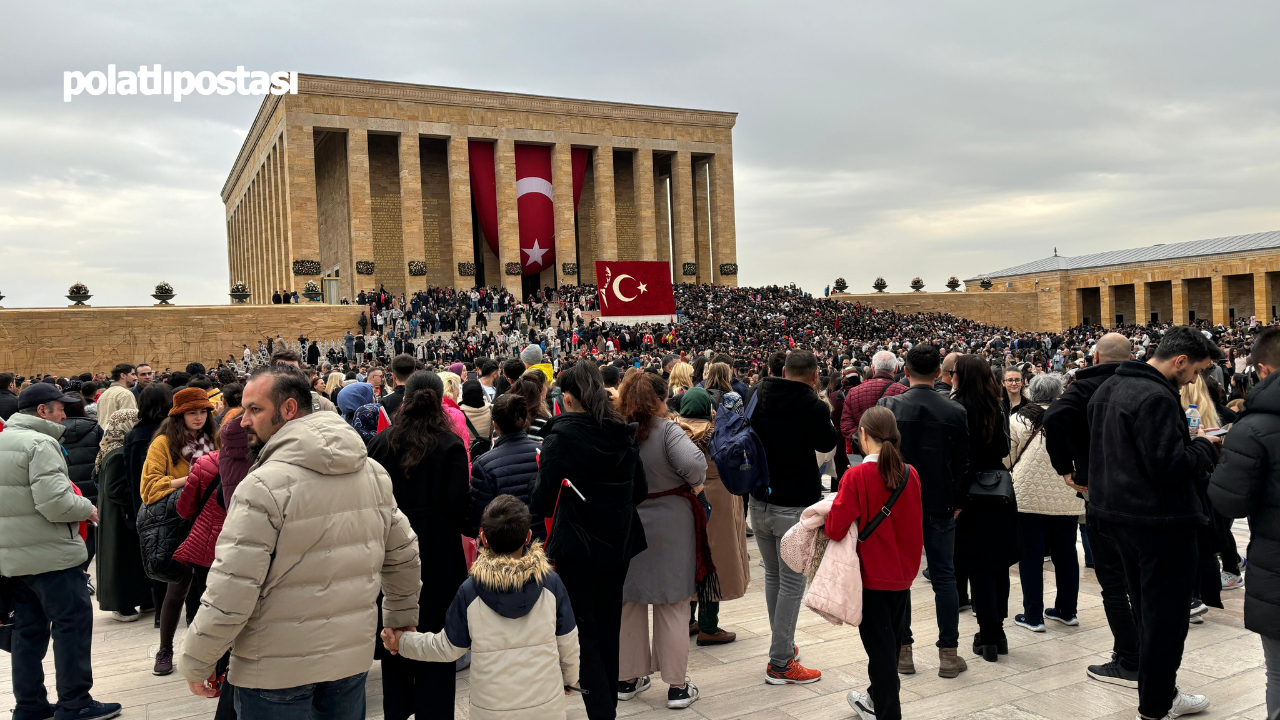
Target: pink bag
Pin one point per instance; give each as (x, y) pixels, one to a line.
(805, 543)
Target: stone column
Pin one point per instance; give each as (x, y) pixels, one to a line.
(1219, 285)
(682, 246)
(360, 205)
(606, 208)
(269, 215)
(411, 210)
(702, 221)
(662, 218)
(1262, 297)
(460, 210)
(1077, 316)
(1107, 304)
(303, 231)
(645, 220)
(1141, 301)
(1179, 287)
(508, 215)
(255, 224)
(562, 200)
(723, 225)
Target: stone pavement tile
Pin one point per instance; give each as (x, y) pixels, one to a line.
(752, 699)
(1042, 654)
(1226, 658)
(1057, 676)
(962, 702)
(1212, 632)
(1083, 700)
(1004, 712)
(1233, 695)
(926, 681)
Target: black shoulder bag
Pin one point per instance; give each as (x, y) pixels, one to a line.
(480, 445)
(888, 506)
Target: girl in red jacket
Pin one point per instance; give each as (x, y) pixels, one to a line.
(889, 558)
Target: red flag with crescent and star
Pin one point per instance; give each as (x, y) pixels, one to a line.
(635, 288)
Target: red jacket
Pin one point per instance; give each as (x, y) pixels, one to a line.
(197, 549)
(891, 556)
(859, 399)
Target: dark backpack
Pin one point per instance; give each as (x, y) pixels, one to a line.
(479, 445)
(737, 451)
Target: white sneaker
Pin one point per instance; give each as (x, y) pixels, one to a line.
(861, 704)
(628, 690)
(1231, 581)
(680, 698)
(121, 617)
(1188, 704)
(1198, 608)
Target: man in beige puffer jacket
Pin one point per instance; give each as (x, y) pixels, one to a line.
(312, 535)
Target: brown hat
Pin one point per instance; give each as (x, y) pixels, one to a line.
(189, 399)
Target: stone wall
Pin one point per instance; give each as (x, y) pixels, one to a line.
(85, 339)
(1018, 310)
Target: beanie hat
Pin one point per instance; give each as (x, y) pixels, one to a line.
(531, 355)
(188, 400)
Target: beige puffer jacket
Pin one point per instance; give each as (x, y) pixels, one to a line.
(312, 535)
(1038, 487)
(515, 617)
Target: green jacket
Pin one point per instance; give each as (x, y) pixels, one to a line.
(39, 511)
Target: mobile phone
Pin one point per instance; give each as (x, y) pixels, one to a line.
(1218, 432)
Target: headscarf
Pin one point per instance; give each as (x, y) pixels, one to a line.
(118, 425)
(353, 396)
(695, 404)
(365, 421)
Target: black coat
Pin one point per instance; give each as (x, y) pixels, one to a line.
(986, 531)
(1247, 483)
(1143, 463)
(508, 469)
(793, 424)
(1066, 422)
(136, 444)
(935, 440)
(8, 404)
(433, 497)
(80, 440)
(123, 585)
(603, 462)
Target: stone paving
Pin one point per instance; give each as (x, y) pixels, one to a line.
(1042, 677)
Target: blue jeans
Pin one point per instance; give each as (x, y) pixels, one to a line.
(940, 554)
(334, 700)
(783, 587)
(57, 599)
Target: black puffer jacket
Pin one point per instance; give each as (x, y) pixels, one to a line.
(1143, 463)
(508, 469)
(1247, 483)
(603, 462)
(1066, 422)
(81, 441)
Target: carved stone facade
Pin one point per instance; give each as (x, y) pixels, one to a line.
(75, 340)
(353, 171)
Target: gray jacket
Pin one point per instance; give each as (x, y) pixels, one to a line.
(39, 511)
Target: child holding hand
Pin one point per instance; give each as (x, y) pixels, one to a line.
(513, 613)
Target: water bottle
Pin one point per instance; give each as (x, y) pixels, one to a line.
(1193, 419)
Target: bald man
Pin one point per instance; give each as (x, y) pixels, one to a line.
(946, 382)
(1066, 432)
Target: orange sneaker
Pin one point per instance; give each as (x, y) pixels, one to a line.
(793, 674)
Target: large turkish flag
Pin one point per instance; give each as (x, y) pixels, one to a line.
(629, 288)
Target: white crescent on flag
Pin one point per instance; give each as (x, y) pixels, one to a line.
(533, 185)
(617, 285)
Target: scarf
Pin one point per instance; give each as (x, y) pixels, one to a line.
(695, 403)
(118, 425)
(199, 446)
(708, 583)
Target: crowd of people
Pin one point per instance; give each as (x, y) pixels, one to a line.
(522, 499)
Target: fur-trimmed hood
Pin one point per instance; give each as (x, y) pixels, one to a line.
(510, 586)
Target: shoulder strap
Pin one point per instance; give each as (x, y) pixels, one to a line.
(471, 427)
(888, 506)
(883, 390)
(751, 406)
(208, 493)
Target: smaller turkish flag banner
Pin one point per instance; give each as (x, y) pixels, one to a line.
(636, 289)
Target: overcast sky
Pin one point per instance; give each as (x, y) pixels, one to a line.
(887, 138)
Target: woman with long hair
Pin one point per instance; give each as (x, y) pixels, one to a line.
(595, 529)
(154, 403)
(1047, 510)
(186, 435)
(678, 562)
(681, 380)
(889, 558)
(1013, 393)
(532, 386)
(123, 585)
(452, 383)
(719, 380)
(427, 462)
(986, 530)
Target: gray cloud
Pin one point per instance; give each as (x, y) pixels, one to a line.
(893, 139)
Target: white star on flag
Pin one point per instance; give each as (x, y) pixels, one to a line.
(535, 253)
